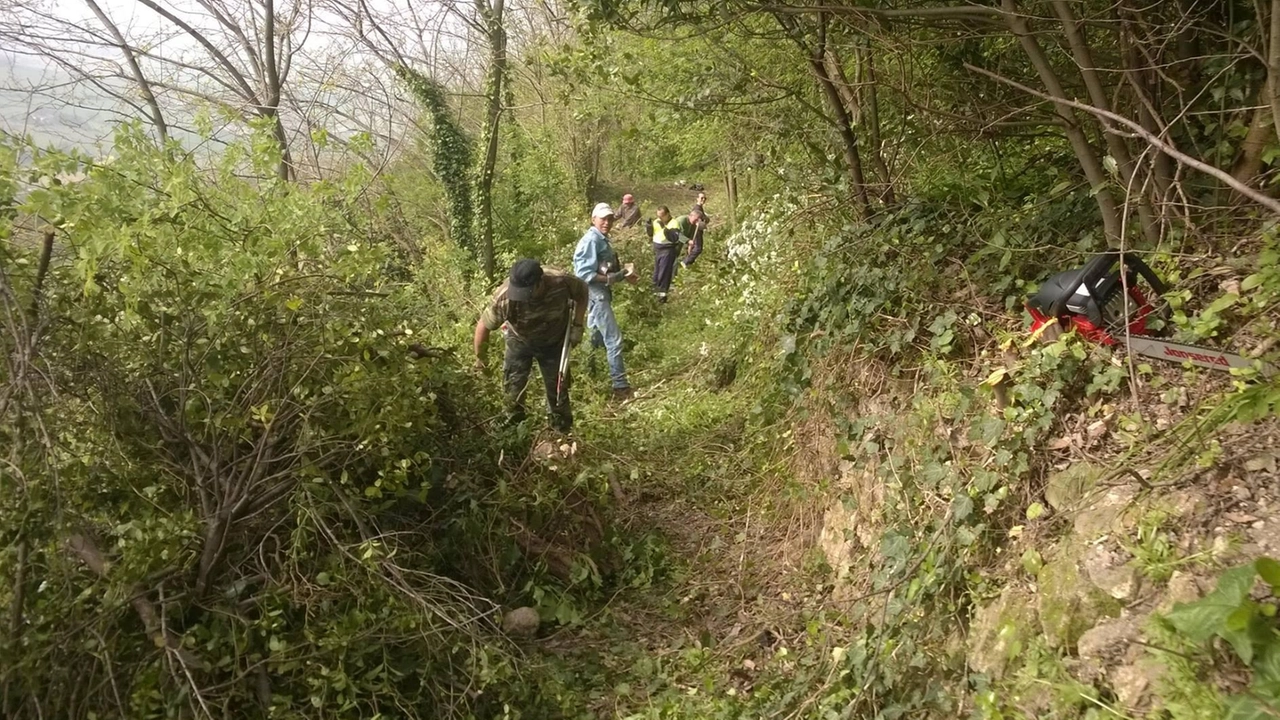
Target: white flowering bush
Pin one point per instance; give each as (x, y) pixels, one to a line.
(758, 252)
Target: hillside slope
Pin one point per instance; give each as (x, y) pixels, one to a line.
(888, 542)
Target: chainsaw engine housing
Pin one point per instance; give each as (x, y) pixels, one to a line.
(1096, 300)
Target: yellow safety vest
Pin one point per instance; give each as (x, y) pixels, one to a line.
(660, 232)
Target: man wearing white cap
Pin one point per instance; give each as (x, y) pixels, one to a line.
(596, 264)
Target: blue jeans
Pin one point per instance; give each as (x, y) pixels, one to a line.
(605, 333)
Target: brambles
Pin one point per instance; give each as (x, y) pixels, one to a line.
(219, 420)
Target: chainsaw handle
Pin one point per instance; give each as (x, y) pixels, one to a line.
(1095, 270)
(1147, 274)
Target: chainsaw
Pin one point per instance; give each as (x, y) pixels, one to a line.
(1106, 302)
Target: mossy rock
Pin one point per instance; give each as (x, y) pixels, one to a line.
(1066, 488)
(1104, 513)
(1000, 632)
(1068, 604)
(521, 622)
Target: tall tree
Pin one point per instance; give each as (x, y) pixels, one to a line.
(820, 60)
(1086, 154)
(451, 154)
(491, 14)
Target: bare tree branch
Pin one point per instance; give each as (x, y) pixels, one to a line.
(1270, 203)
(157, 117)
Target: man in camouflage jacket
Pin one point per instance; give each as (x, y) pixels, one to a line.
(534, 304)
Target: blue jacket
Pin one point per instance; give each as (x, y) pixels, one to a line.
(592, 256)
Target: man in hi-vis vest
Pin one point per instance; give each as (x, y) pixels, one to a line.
(666, 249)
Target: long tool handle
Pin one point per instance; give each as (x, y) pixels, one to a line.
(564, 356)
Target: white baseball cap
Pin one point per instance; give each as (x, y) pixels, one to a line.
(602, 210)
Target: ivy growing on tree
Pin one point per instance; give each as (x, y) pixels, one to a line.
(452, 152)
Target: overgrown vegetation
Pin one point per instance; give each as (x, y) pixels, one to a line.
(246, 474)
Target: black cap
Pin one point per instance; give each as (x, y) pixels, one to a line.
(525, 275)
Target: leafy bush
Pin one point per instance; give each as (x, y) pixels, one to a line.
(1248, 625)
(215, 432)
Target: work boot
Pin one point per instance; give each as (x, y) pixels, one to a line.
(560, 423)
(514, 417)
(623, 394)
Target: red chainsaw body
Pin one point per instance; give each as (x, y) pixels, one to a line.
(1103, 301)
(1087, 329)
(1109, 301)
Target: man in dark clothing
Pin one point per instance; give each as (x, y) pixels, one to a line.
(535, 306)
(698, 219)
(628, 212)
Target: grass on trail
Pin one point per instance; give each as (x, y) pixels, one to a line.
(716, 529)
(715, 481)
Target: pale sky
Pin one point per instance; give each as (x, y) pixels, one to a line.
(335, 82)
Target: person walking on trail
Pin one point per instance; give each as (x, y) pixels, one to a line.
(596, 264)
(542, 310)
(628, 211)
(697, 216)
(666, 250)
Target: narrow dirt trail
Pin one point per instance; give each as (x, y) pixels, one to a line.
(733, 612)
(727, 586)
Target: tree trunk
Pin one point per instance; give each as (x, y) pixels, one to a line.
(849, 141)
(834, 65)
(1084, 151)
(87, 551)
(873, 131)
(284, 170)
(731, 191)
(497, 74)
(1192, 162)
(1249, 159)
(816, 59)
(1083, 56)
(271, 106)
(144, 87)
(16, 607)
(835, 70)
(593, 158)
(1137, 74)
(1273, 66)
(261, 99)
